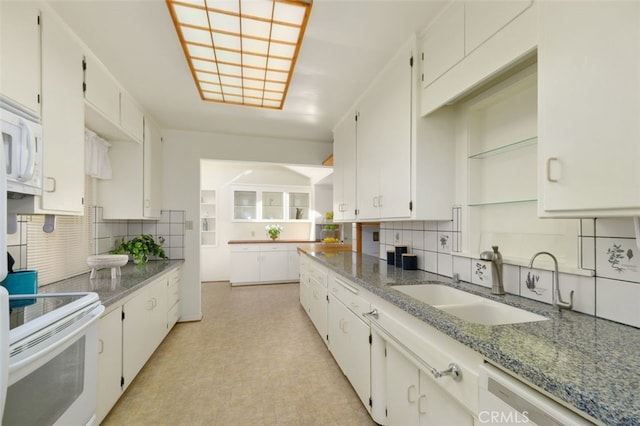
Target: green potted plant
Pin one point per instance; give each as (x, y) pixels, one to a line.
(141, 248)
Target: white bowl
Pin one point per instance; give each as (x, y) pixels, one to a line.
(107, 260)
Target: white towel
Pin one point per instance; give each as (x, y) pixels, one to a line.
(96, 156)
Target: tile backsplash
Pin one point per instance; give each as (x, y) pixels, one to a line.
(609, 286)
(167, 231)
(104, 236)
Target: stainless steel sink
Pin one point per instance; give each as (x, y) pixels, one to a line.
(467, 306)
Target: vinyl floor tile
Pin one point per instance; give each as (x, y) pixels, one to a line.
(254, 359)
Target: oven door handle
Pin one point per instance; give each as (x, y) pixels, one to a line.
(91, 318)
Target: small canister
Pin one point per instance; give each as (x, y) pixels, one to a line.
(391, 257)
(398, 256)
(409, 262)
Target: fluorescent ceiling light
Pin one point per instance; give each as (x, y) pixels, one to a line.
(241, 51)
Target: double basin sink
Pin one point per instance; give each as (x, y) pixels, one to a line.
(466, 306)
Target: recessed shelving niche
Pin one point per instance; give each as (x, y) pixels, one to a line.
(503, 143)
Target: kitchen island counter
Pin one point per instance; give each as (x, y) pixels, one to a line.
(111, 291)
(587, 363)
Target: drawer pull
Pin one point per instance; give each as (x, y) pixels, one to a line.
(454, 369)
(373, 313)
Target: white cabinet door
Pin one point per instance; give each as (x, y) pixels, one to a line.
(293, 265)
(318, 307)
(589, 103)
(101, 90)
(349, 344)
(482, 19)
(245, 266)
(20, 53)
(143, 327)
(344, 169)
(273, 264)
(131, 117)
(109, 362)
(437, 408)
(413, 398)
(152, 187)
(443, 44)
(384, 144)
(122, 196)
(62, 119)
(403, 390)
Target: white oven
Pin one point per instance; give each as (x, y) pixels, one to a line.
(53, 359)
(22, 146)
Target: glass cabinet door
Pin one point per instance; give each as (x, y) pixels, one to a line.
(245, 205)
(298, 206)
(273, 205)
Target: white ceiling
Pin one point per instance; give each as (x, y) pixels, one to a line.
(346, 43)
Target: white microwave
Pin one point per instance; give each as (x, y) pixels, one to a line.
(22, 144)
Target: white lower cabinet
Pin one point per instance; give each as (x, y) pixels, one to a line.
(386, 355)
(349, 336)
(174, 292)
(317, 310)
(143, 327)
(109, 362)
(131, 332)
(263, 263)
(413, 398)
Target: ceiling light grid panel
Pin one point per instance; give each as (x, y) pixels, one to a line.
(241, 52)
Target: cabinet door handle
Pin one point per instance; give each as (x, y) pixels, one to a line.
(549, 161)
(345, 327)
(411, 394)
(422, 404)
(379, 200)
(52, 187)
(149, 304)
(100, 346)
(375, 201)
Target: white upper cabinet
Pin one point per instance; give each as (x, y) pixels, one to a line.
(62, 119)
(62, 124)
(483, 19)
(131, 117)
(486, 38)
(111, 112)
(443, 44)
(589, 104)
(384, 142)
(402, 165)
(344, 169)
(101, 89)
(135, 191)
(20, 53)
(152, 188)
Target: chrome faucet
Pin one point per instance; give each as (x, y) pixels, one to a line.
(555, 291)
(496, 277)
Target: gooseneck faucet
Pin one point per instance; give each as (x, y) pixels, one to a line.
(496, 277)
(555, 291)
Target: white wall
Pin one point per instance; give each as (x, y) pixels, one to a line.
(222, 176)
(183, 150)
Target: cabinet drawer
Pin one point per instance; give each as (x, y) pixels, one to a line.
(173, 314)
(173, 293)
(239, 248)
(347, 293)
(274, 247)
(318, 274)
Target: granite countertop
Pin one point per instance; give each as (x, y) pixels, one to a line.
(587, 362)
(111, 291)
(278, 241)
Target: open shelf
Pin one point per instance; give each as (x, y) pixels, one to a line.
(505, 148)
(506, 202)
